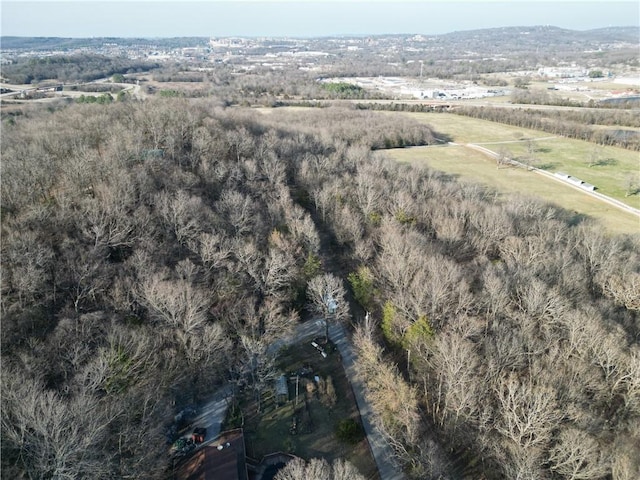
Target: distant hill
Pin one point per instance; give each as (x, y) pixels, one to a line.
(551, 34)
(491, 37)
(63, 44)
(540, 37)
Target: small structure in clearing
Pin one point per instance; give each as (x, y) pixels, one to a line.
(575, 181)
(282, 389)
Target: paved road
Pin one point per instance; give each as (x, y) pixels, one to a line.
(213, 412)
(303, 331)
(381, 450)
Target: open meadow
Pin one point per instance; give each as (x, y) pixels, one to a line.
(612, 165)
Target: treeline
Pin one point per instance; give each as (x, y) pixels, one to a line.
(151, 252)
(178, 76)
(72, 68)
(400, 107)
(61, 43)
(543, 97)
(571, 124)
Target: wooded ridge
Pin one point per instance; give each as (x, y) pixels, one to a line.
(152, 251)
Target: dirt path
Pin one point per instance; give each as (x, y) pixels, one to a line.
(604, 198)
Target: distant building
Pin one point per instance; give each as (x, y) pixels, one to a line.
(563, 72)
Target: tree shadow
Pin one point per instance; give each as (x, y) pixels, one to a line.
(632, 191)
(548, 165)
(572, 218)
(543, 150)
(442, 138)
(577, 219)
(606, 162)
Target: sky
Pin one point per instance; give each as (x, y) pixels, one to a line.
(299, 18)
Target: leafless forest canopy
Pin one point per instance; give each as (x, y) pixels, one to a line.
(153, 249)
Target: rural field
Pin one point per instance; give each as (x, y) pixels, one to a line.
(614, 165)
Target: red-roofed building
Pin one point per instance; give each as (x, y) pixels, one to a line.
(222, 458)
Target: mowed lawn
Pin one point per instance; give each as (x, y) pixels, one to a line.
(470, 130)
(558, 154)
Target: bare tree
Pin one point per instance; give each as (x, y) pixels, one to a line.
(577, 456)
(179, 212)
(318, 469)
(528, 412)
(504, 157)
(258, 364)
(327, 295)
(176, 302)
(54, 437)
(595, 156)
(457, 362)
(27, 267)
(239, 210)
(394, 402)
(215, 250)
(368, 192)
(624, 287)
(631, 185)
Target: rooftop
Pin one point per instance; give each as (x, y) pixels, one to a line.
(221, 458)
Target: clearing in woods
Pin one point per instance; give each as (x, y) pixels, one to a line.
(307, 426)
(612, 165)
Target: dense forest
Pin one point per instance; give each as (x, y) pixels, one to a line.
(153, 250)
(71, 68)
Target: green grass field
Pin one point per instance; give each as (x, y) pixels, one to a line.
(613, 166)
(558, 154)
(470, 130)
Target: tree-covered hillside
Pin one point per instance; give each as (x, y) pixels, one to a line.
(152, 251)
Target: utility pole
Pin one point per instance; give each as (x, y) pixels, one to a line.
(297, 377)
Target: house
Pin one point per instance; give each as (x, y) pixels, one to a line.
(221, 458)
(224, 458)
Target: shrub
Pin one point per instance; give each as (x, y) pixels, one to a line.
(349, 431)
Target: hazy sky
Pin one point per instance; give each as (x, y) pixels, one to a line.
(153, 18)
